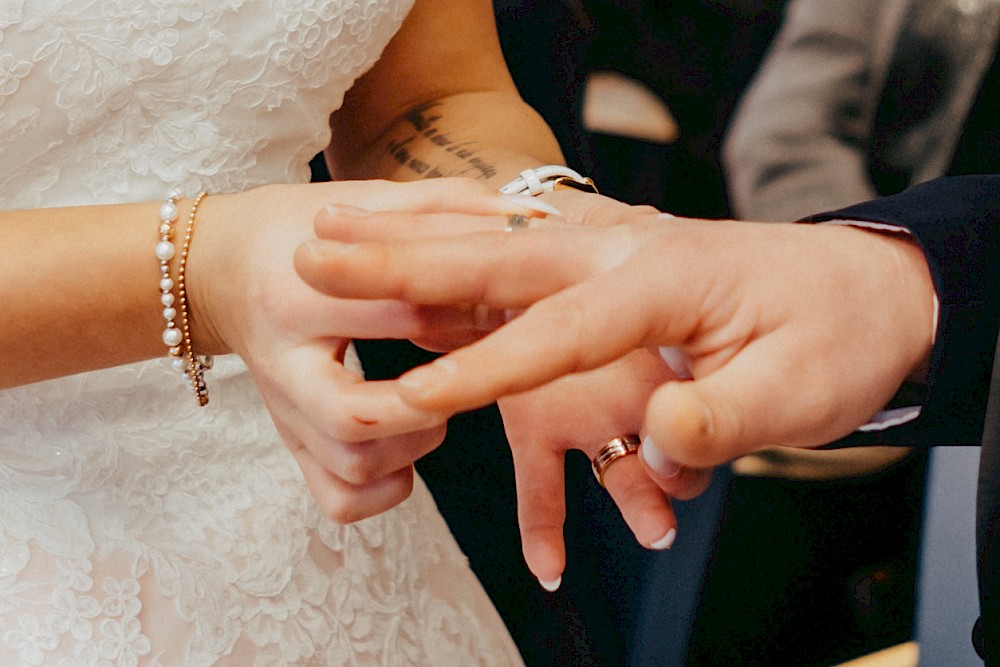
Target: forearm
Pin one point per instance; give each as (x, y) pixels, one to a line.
(488, 135)
(439, 102)
(79, 290)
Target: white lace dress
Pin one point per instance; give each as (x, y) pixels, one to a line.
(135, 527)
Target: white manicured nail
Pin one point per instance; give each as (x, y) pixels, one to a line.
(663, 466)
(346, 210)
(429, 374)
(674, 359)
(534, 203)
(551, 586)
(665, 542)
(445, 364)
(321, 248)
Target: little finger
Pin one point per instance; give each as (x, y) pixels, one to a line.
(643, 506)
(346, 503)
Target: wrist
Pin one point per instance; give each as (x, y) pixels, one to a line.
(210, 276)
(926, 306)
(910, 291)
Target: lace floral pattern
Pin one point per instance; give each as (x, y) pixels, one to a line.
(136, 528)
(167, 91)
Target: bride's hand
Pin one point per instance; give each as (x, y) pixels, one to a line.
(580, 412)
(583, 412)
(355, 444)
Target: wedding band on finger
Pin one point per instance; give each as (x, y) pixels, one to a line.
(516, 221)
(612, 451)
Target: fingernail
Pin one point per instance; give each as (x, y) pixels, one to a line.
(346, 210)
(551, 586)
(323, 248)
(511, 313)
(664, 542)
(664, 216)
(429, 374)
(533, 203)
(658, 462)
(311, 248)
(675, 360)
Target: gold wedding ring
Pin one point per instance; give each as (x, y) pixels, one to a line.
(611, 452)
(515, 222)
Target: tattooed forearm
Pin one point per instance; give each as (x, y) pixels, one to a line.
(400, 152)
(422, 127)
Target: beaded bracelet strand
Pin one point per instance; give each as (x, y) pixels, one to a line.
(197, 364)
(172, 336)
(178, 338)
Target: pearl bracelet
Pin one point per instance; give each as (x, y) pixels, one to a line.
(178, 338)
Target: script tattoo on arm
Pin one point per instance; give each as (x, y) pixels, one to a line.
(424, 124)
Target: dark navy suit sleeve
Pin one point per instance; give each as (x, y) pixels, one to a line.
(957, 222)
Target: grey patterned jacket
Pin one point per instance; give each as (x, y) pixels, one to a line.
(855, 99)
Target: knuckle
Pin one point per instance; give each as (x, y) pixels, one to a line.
(542, 531)
(358, 468)
(434, 436)
(575, 324)
(341, 424)
(643, 209)
(342, 510)
(414, 321)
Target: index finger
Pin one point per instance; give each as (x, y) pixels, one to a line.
(600, 292)
(578, 329)
(497, 269)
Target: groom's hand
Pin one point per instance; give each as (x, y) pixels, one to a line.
(794, 334)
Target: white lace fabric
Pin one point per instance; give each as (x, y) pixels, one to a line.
(135, 527)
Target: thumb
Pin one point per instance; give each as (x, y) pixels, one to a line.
(683, 427)
(692, 424)
(766, 395)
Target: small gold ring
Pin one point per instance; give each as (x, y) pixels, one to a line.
(516, 221)
(611, 452)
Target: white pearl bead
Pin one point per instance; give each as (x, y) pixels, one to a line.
(164, 250)
(172, 336)
(167, 299)
(169, 314)
(178, 363)
(175, 193)
(168, 212)
(166, 284)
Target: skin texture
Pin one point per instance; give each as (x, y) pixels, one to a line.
(785, 328)
(76, 283)
(86, 300)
